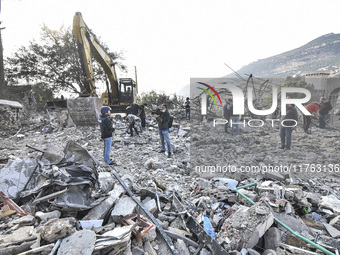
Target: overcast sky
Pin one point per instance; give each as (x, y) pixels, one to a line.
(172, 41)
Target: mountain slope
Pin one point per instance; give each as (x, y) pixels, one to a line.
(321, 54)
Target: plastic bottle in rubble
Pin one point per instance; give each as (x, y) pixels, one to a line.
(208, 227)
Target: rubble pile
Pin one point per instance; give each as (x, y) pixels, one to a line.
(58, 197)
(10, 117)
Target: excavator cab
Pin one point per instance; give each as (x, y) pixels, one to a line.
(128, 90)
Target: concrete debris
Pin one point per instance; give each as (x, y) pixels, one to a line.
(272, 238)
(55, 229)
(80, 242)
(246, 224)
(181, 247)
(72, 202)
(125, 206)
(330, 202)
(333, 232)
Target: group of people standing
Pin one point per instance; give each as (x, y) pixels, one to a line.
(318, 111)
(135, 118)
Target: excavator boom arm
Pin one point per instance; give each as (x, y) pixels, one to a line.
(88, 45)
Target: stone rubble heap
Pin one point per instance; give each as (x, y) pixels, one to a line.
(70, 202)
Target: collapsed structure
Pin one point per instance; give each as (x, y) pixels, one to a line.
(57, 197)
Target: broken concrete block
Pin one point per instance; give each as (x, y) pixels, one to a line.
(182, 133)
(23, 234)
(149, 249)
(313, 198)
(116, 241)
(203, 183)
(333, 232)
(80, 242)
(100, 211)
(274, 176)
(150, 235)
(150, 205)
(42, 250)
(106, 182)
(332, 242)
(55, 229)
(27, 220)
(335, 222)
(124, 207)
(137, 251)
(330, 202)
(181, 247)
(269, 252)
(44, 217)
(296, 224)
(250, 230)
(204, 251)
(272, 238)
(16, 249)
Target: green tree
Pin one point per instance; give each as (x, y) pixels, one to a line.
(53, 62)
(159, 98)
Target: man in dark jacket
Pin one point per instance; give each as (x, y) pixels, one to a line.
(227, 112)
(325, 107)
(187, 108)
(106, 129)
(288, 124)
(142, 114)
(163, 128)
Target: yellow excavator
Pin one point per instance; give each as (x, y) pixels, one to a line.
(120, 93)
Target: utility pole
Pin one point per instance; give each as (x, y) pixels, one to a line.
(2, 73)
(136, 79)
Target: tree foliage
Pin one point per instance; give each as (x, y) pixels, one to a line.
(297, 82)
(53, 62)
(158, 98)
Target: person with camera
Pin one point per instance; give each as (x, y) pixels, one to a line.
(106, 129)
(163, 119)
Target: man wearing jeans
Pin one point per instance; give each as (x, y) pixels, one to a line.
(163, 129)
(234, 119)
(106, 129)
(288, 124)
(325, 107)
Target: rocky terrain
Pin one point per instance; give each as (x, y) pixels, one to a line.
(74, 203)
(321, 54)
